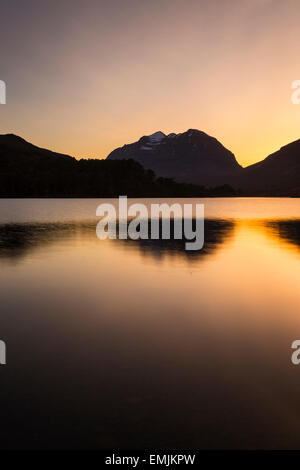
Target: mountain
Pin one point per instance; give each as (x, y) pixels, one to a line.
(30, 171)
(192, 157)
(25, 152)
(278, 174)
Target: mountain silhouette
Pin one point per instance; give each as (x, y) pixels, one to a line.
(278, 174)
(191, 164)
(195, 157)
(192, 157)
(25, 152)
(30, 171)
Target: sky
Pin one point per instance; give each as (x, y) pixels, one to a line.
(86, 76)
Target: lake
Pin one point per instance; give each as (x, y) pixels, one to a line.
(141, 344)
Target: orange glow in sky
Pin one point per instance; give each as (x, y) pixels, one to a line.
(86, 77)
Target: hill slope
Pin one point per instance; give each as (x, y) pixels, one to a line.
(278, 174)
(25, 152)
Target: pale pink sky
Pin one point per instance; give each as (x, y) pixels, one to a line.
(86, 77)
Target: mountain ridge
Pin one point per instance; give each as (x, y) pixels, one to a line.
(278, 173)
(30, 171)
(192, 157)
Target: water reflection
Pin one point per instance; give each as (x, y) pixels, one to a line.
(19, 240)
(287, 230)
(129, 344)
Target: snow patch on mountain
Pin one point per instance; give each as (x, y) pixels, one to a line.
(144, 147)
(157, 137)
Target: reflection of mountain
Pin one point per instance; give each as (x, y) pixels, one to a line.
(19, 240)
(288, 230)
(216, 233)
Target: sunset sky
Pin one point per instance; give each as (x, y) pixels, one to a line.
(86, 76)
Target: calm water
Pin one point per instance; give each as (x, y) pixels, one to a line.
(129, 344)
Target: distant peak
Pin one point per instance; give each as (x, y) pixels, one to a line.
(195, 131)
(157, 136)
(13, 140)
(13, 137)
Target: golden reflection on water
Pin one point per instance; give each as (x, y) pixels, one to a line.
(162, 339)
